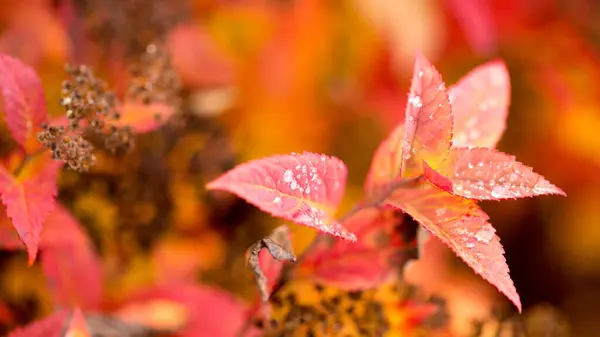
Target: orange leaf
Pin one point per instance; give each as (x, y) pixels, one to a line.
(486, 174)
(428, 122)
(461, 225)
(29, 198)
(143, 117)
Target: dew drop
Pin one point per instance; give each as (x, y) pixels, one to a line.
(294, 185)
(499, 191)
(288, 176)
(485, 234)
(440, 211)
(470, 244)
(458, 188)
(513, 177)
(420, 74)
(277, 200)
(416, 101)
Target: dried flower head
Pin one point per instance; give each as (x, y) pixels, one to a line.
(90, 108)
(73, 150)
(131, 24)
(153, 78)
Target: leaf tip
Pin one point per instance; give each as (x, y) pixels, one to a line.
(31, 255)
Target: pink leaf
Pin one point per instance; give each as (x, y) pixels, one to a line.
(29, 198)
(50, 326)
(73, 270)
(206, 311)
(486, 174)
(304, 188)
(355, 266)
(480, 102)
(142, 117)
(476, 18)
(24, 101)
(428, 121)
(461, 225)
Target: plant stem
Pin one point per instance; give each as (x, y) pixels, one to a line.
(25, 160)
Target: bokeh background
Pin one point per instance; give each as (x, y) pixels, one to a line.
(262, 77)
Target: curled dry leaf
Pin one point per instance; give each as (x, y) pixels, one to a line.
(486, 174)
(24, 101)
(428, 122)
(480, 102)
(461, 225)
(279, 247)
(29, 197)
(305, 188)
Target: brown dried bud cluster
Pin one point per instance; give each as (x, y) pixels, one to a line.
(131, 24)
(153, 78)
(90, 107)
(73, 150)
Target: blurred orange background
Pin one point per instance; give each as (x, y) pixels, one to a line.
(279, 76)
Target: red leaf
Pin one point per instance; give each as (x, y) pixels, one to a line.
(78, 325)
(461, 225)
(50, 326)
(304, 188)
(143, 118)
(486, 174)
(477, 20)
(29, 198)
(428, 121)
(386, 164)
(73, 270)
(207, 312)
(24, 101)
(480, 102)
(196, 57)
(361, 265)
